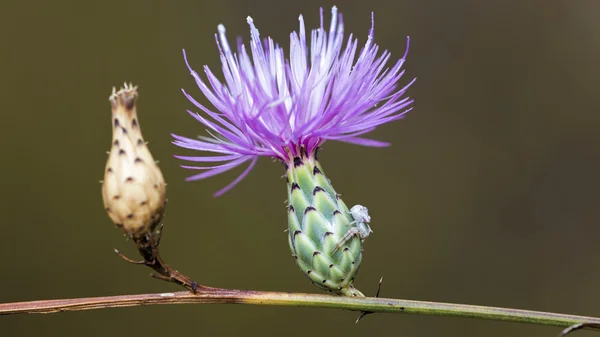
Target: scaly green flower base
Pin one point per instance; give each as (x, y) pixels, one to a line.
(317, 221)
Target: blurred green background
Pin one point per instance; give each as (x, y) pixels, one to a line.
(489, 194)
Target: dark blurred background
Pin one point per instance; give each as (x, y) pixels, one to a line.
(489, 194)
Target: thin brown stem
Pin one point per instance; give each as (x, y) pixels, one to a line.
(147, 245)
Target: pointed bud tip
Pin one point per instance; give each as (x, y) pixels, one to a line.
(125, 98)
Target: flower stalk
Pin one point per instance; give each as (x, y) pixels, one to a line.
(230, 296)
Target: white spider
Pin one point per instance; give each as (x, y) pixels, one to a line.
(361, 217)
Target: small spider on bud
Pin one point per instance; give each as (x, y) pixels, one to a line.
(360, 225)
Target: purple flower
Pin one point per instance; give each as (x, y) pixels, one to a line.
(276, 107)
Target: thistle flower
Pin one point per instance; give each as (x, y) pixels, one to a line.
(286, 109)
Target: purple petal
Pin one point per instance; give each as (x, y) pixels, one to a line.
(216, 171)
(208, 159)
(238, 179)
(364, 142)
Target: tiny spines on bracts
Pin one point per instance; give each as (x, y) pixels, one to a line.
(134, 188)
(321, 229)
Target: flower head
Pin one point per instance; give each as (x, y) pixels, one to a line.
(275, 106)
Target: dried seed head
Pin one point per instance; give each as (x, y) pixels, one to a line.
(134, 187)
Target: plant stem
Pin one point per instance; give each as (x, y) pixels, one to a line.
(217, 295)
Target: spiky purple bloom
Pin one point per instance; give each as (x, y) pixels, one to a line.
(278, 107)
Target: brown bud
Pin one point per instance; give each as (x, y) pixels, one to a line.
(134, 187)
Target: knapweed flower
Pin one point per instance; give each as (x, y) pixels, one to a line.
(287, 108)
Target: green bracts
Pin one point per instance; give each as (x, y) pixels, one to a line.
(318, 220)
